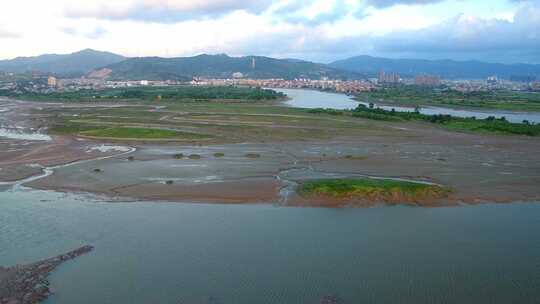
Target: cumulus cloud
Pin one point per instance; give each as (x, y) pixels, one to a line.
(8, 34)
(92, 33)
(471, 34)
(387, 3)
(298, 11)
(319, 30)
(162, 11)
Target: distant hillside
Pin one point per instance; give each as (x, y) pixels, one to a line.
(446, 68)
(78, 63)
(222, 66)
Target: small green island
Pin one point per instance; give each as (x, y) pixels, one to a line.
(371, 189)
(173, 93)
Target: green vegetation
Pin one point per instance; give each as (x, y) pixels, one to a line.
(178, 156)
(218, 121)
(141, 133)
(490, 124)
(194, 156)
(253, 155)
(172, 93)
(371, 189)
(495, 99)
(326, 111)
(219, 154)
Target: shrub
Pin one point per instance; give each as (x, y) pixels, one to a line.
(253, 155)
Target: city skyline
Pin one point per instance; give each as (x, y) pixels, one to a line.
(505, 31)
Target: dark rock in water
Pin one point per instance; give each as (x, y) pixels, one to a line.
(25, 284)
(331, 299)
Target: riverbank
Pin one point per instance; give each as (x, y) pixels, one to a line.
(408, 95)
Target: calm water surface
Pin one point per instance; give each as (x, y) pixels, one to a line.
(316, 99)
(187, 253)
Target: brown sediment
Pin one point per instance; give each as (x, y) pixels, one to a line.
(368, 201)
(501, 170)
(259, 191)
(26, 284)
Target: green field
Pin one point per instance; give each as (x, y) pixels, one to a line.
(142, 134)
(183, 93)
(372, 189)
(495, 99)
(225, 122)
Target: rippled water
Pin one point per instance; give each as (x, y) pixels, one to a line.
(317, 99)
(186, 253)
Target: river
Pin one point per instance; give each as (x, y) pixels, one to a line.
(195, 253)
(316, 99)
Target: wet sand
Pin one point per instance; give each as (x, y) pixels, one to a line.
(478, 169)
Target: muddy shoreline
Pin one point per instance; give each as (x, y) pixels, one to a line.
(243, 186)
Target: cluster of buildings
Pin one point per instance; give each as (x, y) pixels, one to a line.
(425, 80)
(342, 86)
(43, 83)
(388, 78)
(490, 84)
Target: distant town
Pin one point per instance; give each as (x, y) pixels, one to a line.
(46, 83)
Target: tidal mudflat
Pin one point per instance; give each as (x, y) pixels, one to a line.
(211, 156)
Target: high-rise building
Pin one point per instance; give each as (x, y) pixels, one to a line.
(52, 82)
(492, 80)
(388, 78)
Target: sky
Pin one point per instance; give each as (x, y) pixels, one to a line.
(506, 31)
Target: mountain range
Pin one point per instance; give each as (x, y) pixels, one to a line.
(111, 66)
(449, 69)
(223, 66)
(78, 63)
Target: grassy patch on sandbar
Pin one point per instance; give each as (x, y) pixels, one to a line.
(371, 189)
(142, 133)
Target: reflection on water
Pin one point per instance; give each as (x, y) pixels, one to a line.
(186, 253)
(317, 99)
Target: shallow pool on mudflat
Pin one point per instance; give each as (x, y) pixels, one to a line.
(189, 253)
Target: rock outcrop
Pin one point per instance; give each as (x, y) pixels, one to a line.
(26, 284)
